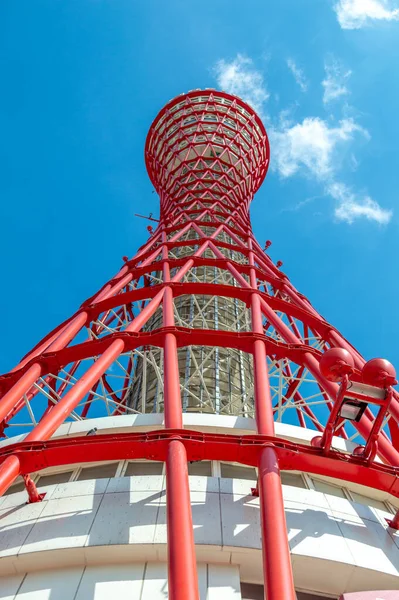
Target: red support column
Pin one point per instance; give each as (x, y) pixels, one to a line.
(277, 569)
(204, 211)
(182, 566)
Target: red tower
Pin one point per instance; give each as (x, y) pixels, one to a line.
(201, 320)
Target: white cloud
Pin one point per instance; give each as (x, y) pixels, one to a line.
(350, 206)
(298, 75)
(310, 146)
(334, 83)
(239, 77)
(354, 14)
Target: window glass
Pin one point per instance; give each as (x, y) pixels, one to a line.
(202, 467)
(294, 479)
(328, 488)
(144, 468)
(251, 591)
(238, 471)
(369, 501)
(307, 596)
(98, 472)
(54, 478)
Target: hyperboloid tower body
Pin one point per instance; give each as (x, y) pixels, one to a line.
(196, 430)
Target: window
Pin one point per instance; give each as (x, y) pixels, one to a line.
(369, 501)
(307, 596)
(328, 488)
(144, 468)
(252, 591)
(54, 478)
(200, 468)
(238, 471)
(98, 472)
(293, 479)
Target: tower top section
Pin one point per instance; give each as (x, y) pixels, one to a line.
(207, 146)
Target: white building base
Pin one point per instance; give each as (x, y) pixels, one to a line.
(137, 581)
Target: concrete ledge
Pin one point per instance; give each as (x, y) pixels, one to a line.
(196, 421)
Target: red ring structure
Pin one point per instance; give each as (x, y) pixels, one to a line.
(215, 148)
(207, 153)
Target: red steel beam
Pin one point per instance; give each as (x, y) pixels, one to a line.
(10, 469)
(199, 188)
(277, 569)
(34, 456)
(182, 566)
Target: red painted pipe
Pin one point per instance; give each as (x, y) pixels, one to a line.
(9, 469)
(172, 404)
(275, 548)
(20, 388)
(263, 401)
(279, 584)
(182, 568)
(23, 385)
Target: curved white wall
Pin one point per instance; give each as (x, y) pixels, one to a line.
(337, 546)
(137, 581)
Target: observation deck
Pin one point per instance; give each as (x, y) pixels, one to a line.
(207, 145)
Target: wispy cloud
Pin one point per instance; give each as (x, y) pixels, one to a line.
(351, 206)
(354, 14)
(335, 80)
(311, 146)
(299, 205)
(240, 77)
(298, 75)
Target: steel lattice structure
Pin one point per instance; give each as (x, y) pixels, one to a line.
(201, 320)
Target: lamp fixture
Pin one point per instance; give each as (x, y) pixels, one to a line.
(352, 410)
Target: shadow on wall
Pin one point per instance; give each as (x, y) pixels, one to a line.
(139, 581)
(126, 515)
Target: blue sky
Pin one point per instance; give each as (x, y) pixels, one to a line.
(81, 82)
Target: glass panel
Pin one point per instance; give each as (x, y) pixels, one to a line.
(294, 479)
(98, 472)
(238, 471)
(251, 591)
(369, 501)
(328, 488)
(54, 478)
(200, 468)
(307, 596)
(144, 468)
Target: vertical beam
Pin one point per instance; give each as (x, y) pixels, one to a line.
(263, 402)
(182, 566)
(172, 401)
(277, 570)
